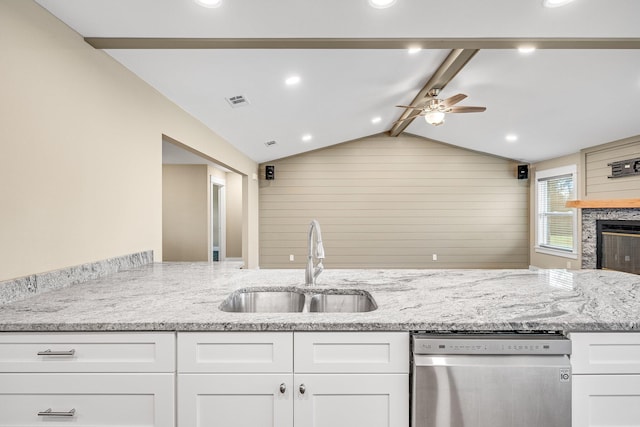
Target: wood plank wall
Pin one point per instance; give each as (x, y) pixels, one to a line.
(597, 184)
(387, 202)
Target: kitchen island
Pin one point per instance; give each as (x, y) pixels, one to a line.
(187, 297)
(151, 343)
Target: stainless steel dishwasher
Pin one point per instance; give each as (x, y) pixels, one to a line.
(496, 380)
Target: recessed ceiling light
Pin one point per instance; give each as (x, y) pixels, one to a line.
(512, 137)
(526, 49)
(415, 49)
(555, 3)
(381, 4)
(306, 137)
(292, 80)
(376, 120)
(209, 3)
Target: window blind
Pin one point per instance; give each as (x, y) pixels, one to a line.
(555, 220)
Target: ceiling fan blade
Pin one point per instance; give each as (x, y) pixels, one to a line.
(410, 106)
(453, 100)
(466, 109)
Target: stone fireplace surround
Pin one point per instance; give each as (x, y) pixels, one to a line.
(589, 234)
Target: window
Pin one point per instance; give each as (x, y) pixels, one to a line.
(556, 225)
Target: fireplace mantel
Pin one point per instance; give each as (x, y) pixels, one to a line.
(599, 204)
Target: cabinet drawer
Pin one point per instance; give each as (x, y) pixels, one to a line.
(87, 352)
(605, 353)
(241, 352)
(87, 400)
(351, 352)
(606, 400)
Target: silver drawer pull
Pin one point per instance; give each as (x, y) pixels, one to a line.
(302, 389)
(50, 413)
(283, 388)
(57, 353)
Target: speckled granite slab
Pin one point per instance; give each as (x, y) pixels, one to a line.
(25, 287)
(186, 297)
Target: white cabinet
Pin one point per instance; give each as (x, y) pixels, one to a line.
(606, 400)
(348, 400)
(352, 352)
(351, 379)
(325, 379)
(240, 352)
(606, 379)
(86, 379)
(239, 379)
(238, 400)
(86, 399)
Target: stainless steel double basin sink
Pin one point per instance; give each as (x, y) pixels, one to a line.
(297, 300)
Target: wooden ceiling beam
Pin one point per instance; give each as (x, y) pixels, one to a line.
(451, 66)
(359, 43)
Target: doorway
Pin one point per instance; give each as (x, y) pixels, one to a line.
(218, 220)
(202, 207)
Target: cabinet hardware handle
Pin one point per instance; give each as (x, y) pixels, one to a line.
(49, 352)
(50, 413)
(302, 389)
(283, 388)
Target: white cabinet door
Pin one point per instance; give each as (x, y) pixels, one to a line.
(87, 400)
(235, 400)
(351, 400)
(606, 401)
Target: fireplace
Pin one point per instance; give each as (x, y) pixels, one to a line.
(618, 245)
(593, 220)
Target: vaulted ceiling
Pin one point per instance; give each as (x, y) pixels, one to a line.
(579, 88)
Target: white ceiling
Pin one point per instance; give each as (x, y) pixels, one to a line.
(557, 101)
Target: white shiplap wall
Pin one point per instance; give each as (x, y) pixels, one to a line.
(387, 202)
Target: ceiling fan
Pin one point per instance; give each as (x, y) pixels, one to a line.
(434, 109)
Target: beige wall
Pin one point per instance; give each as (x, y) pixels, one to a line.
(80, 158)
(234, 215)
(545, 260)
(186, 209)
(597, 185)
(393, 203)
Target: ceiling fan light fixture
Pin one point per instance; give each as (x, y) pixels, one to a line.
(381, 4)
(435, 118)
(555, 3)
(209, 3)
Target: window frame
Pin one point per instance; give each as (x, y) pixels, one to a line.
(544, 175)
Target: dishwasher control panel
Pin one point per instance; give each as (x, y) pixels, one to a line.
(491, 344)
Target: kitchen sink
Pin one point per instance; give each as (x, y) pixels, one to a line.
(298, 300)
(356, 302)
(264, 301)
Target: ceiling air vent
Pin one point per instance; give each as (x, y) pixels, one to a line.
(237, 101)
(270, 143)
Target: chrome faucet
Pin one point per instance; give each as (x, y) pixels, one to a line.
(312, 274)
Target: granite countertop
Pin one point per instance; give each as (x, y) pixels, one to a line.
(186, 297)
